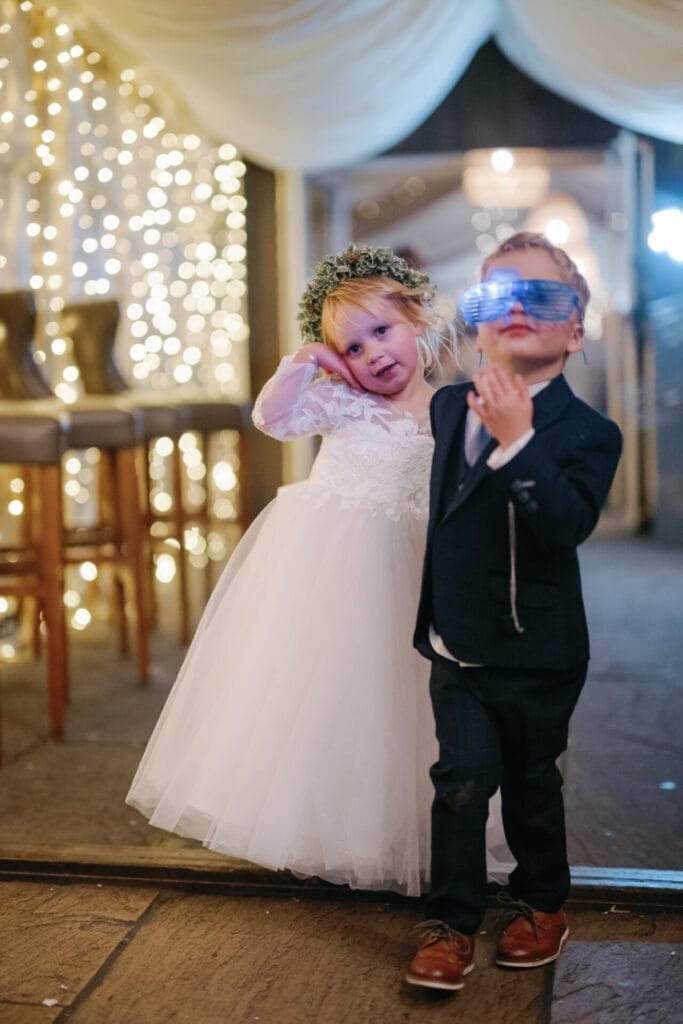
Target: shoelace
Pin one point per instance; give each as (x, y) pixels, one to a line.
(517, 908)
(433, 930)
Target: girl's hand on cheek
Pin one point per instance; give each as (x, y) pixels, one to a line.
(328, 360)
(504, 405)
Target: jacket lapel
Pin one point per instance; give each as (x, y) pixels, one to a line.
(450, 427)
(550, 403)
(473, 478)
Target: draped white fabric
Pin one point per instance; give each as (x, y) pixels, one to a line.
(316, 84)
(621, 58)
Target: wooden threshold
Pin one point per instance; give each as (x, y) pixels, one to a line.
(191, 869)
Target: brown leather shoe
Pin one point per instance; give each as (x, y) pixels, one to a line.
(532, 938)
(443, 959)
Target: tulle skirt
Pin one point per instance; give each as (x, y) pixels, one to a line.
(299, 732)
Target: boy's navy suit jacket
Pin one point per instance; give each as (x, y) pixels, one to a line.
(503, 540)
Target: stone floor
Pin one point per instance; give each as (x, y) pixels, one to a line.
(100, 954)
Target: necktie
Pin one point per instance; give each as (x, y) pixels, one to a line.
(476, 441)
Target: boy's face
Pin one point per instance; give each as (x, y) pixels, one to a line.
(537, 349)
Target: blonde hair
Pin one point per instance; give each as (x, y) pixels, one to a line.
(364, 292)
(531, 240)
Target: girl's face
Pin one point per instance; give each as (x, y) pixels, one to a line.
(379, 347)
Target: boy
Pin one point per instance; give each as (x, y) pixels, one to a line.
(501, 614)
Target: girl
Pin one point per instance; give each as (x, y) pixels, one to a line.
(298, 734)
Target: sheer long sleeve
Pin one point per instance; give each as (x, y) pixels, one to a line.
(298, 402)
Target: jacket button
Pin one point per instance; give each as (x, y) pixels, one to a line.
(532, 506)
(524, 496)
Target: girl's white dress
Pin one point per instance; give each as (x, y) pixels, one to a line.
(299, 732)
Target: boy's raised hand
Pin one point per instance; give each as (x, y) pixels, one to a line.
(329, 360)
(503, 404)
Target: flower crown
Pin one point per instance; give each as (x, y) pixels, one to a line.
(361, 261)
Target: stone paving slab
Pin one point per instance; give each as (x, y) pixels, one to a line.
(54, 939)
(14, 1013)
(618, 983)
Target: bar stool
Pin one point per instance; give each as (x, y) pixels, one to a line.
(207, 417)
(109, 427)
(92, 327)
(36, 445)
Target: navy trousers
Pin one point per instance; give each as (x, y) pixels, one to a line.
(498, 727)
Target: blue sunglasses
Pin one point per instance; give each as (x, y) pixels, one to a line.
(543, 300)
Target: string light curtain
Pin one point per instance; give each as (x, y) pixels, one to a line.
(317, 84)
(101, 198)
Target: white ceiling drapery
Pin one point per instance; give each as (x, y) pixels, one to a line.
(622, 59)
(317, 84)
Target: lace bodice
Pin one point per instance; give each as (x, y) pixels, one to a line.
(372, 456)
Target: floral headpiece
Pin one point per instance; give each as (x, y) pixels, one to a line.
(361, 261)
